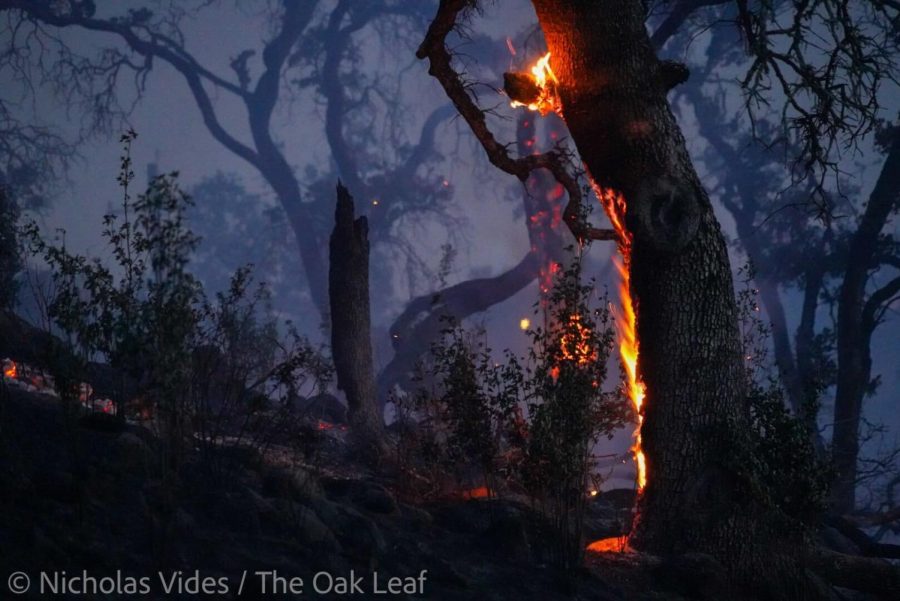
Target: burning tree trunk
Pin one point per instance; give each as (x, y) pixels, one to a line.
(612, 91)
(351, 344)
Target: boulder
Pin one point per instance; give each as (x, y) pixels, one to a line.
(377, 499)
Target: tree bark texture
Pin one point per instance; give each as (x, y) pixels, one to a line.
(795, 369)
(351, 343)
(856, 321)
(613, 96)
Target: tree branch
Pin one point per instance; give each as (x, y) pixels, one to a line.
(411, 333)
(434, 48)
(878, 302)
(680, 13)
(157, 46)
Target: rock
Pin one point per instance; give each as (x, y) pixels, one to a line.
(370, 496)
(311, 530)
(236, 512)
(183, 521)
(102, 422)
(48, 551)
(359, 535)
(261, 505)
(377, 499)
(416, 517)
(295, 483)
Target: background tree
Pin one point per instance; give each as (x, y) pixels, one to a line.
(10, 259)
(793, 248)
(307, 51)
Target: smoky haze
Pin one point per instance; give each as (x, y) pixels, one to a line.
(481, 216)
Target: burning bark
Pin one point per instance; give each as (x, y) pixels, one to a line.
(535, 90)
(348, 291)
(680, 280)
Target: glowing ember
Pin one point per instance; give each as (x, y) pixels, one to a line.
(615, 544)
(576, 342)
(524, 323)
(614, 205)
(482, 492)
(546, 81)
(9, 369)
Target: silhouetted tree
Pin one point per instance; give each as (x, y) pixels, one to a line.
(10, 258)
(825, 259)
(308, 49)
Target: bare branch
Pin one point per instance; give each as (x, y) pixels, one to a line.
(878, 303)
(829, 59)
(681, 12)
(155, 45)
(557, 161)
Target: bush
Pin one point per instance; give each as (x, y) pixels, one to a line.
(524, 423)
(214, 370)
(785, 469)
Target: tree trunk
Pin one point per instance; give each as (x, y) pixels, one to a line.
(613, 97)
(854, 334)
(795, 370)
(351, 344)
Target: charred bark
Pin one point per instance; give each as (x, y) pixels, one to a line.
(614, 102)
(351, 344)
(856, 322)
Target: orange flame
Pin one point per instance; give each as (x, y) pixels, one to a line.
(575, 343)
(614, 205)
(615, 544)
(482, 492)
(546, 81)
(9, 369)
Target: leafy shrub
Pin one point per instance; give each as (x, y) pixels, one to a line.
(524, 423)
(213, 370)
(788, 472)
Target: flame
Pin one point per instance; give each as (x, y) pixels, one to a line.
(524, 323)
(575, 343)
(614, 205)
(546, 81)
(9, 369)
(626, 323)
(482, 492)
(615, 544)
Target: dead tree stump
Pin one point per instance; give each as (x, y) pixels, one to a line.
(351, 340)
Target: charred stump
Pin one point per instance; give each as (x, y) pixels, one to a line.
(351, 341)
